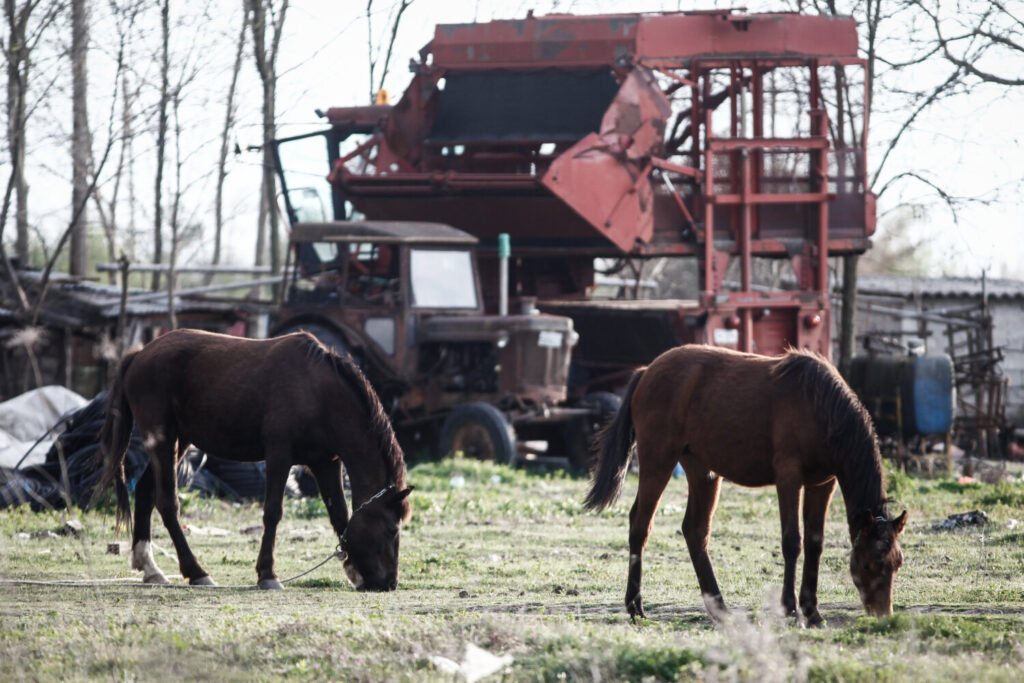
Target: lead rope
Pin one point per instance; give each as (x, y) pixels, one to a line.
(133, 581)
(339, 553)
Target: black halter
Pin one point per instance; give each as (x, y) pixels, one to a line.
(342, 540)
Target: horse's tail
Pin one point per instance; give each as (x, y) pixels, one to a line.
(613, 444)
(114, 439)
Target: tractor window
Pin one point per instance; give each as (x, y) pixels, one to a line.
(442, 278)
(326, 251)
(304, 165)
(373, 272)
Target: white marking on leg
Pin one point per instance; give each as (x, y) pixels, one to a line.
(633, 560)
(153, 438)
(142, 559)
(715, 609)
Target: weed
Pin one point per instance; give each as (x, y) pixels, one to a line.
(898, 483)
(481, 562)
(1006, 493)
(957, 487)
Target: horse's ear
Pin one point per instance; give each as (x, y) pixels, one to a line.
(868, 518)
(396, 497)
(899, 523)
(404, 511)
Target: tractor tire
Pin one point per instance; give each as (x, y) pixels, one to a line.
(580, 434)
(605, 404)
(479, 431)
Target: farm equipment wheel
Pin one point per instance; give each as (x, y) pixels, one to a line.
(580, 434)
(329, 337)
(480, 431)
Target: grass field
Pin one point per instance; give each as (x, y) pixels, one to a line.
(510, 563)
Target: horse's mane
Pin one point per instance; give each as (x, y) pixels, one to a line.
(849, 430)
(380, 424)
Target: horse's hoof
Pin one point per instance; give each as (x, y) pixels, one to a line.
(635, 607)
(157, 579)
(815, 621)
(270, 585)
(202, 581)
(715, 606)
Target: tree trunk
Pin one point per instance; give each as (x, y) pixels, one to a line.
(81, 140)
(269, 176)
(17, 87)
(229, 124)
(172, 256)
(847, 323)
(161, 142)
(266, 65)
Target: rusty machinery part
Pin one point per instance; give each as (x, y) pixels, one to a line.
(385, 382)
(479, 431)
(603, 405)
(581, 434)
(552, 135)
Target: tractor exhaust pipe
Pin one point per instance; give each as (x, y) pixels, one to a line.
(504, 249)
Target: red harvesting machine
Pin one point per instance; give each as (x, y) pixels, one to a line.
(734, 140)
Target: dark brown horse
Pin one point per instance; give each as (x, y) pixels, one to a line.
(287, 400)
(790, 421)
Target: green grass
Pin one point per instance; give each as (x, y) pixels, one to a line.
(509, 561)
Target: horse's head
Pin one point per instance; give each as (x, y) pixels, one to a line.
(370, 541)
(875, 560)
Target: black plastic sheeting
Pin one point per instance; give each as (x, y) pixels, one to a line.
(71, 470)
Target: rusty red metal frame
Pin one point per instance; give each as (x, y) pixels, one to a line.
(615, 178)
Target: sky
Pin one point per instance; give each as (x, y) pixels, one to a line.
(970, 146)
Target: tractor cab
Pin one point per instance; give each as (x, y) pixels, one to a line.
(404, 300)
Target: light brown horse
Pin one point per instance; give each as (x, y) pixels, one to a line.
(753, 420)
(287, 400)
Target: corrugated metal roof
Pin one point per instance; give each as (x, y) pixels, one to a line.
(936, 287)
(72, 300)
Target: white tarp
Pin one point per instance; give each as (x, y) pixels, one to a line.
(26, 418)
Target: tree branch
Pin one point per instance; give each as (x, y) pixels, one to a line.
(936, 94)
(77, 212)
(403, 5)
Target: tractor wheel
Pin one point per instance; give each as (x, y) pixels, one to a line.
(479, 431)
(580, 434)
(603, 405)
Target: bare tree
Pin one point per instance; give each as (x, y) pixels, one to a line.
(22, 40)
(81, 138)
(9, 269)
(230, 113)
(892, 63)
(172, 257)
(106, 205)
(161, 138)
(985, 40)
(264, 14)
(375, 47)
(76, 210)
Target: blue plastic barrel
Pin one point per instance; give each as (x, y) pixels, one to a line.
(934, 394)
(923, 385)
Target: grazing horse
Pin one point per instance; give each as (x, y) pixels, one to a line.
(753, 420)
(287, 400)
